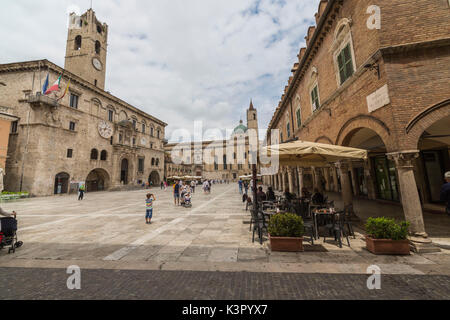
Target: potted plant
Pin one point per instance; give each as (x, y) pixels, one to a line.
(286, 232)
(385, 236)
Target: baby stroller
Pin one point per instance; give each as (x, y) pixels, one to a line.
(8, 234)
(187, 200)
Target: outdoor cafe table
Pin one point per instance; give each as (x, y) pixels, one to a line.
(320, 212)
(269, 213)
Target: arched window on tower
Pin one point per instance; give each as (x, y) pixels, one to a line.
(97, 47)
(254, 116)
(94, 154)
(77, 43)
(153, 161)
(104, 155)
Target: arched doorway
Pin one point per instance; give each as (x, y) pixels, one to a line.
(154, 178)
(124, 171)
(62, 183)
(97, 180)
(434, 146)
(383, 176)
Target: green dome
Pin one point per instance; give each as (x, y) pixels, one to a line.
(240, 128)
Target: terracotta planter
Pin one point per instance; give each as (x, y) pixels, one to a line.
(387, 246)
(286, 244)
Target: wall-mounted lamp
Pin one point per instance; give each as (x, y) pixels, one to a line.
(374, 67)
(329, 111)
(2, 84)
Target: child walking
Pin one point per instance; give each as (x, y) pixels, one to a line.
(149, 208)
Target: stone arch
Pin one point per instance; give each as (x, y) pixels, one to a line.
(154, 178)
(417, 126)
(77, 43)
(365, 121)
(98, 47)
(97, 180)
(125, 169)
(94, 154)
(104, 155)
(324, 139)
(62, 183)
(123, 116)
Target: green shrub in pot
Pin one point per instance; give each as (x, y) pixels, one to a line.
(286, 225)
(386, 228)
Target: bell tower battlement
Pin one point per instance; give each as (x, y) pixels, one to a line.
(86, 48)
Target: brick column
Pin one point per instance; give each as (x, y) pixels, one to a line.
(290, 180)
(408, 190)
(347, 195)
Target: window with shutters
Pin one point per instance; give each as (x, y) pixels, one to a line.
(345, 63)
(315, 98)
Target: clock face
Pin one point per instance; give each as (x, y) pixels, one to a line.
(143, 141)
(97, 64)
(105, 129)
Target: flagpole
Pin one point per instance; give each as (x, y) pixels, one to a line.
(40, 80)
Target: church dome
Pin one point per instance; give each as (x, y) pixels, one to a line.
(240, 128)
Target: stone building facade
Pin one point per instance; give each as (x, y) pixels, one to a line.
(220, 159)
(89, 136)
(372, 77)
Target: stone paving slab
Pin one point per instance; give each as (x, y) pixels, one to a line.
(209, 236)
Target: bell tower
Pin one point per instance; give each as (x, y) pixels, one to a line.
(86, 48)
(252, 117)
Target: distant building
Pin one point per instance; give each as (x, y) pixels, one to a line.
(90, 136)
(217, 160)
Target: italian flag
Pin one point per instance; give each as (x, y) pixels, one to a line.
(54, 87)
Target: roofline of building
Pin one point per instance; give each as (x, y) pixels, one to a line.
(34, 64)
(386, 50)
(305, 57)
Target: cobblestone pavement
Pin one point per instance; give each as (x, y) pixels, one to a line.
(49, 284)
(107, 231)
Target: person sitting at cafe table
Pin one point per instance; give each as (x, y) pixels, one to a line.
(318, 198)
(261, 196)
(289, 196)
(305, 193)
(270, 194)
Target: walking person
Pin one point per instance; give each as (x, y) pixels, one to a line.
(176, 193)
(149, 208)
(162, 185)
(445, 193)
(246, 187)
(81, 191)
(240, 186)
(193, 183)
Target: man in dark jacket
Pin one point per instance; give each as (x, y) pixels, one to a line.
(445, 192)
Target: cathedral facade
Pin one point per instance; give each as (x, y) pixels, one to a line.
(219, 159)
(89, 136)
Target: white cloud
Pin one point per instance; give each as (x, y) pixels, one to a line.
(179, 60)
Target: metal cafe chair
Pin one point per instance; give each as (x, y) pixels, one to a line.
(308, 220)
(258, 225)
(337, 229)
(346, 219)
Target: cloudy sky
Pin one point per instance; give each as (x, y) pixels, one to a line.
(179, 60)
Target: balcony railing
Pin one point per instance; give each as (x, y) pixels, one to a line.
(41, 99)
